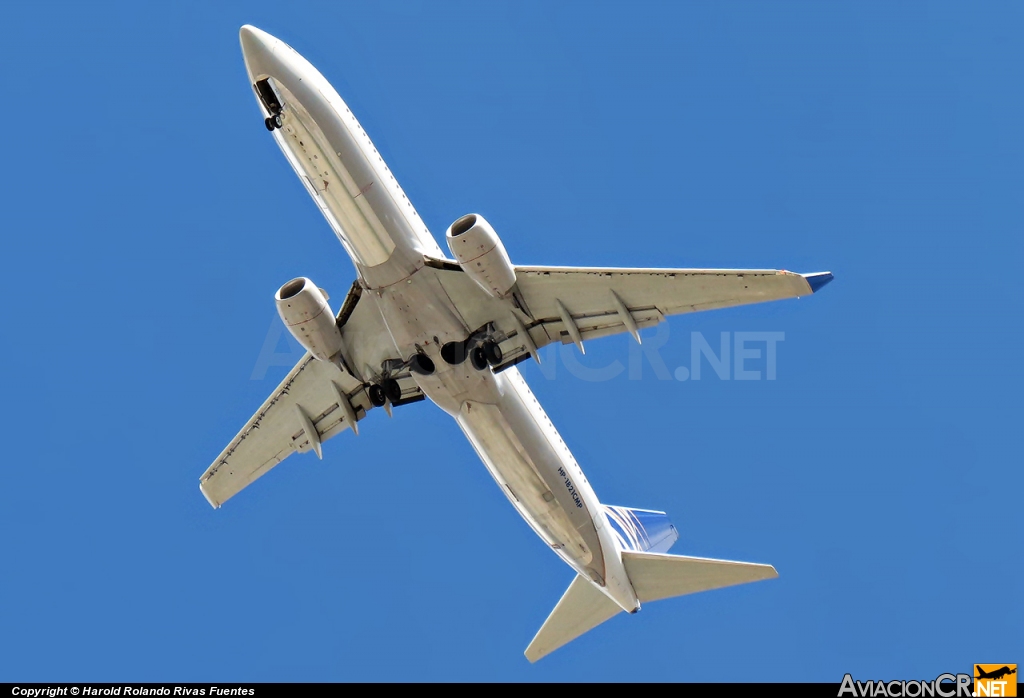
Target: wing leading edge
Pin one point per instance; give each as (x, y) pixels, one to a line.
(312, 400)
(315, 402)
(574, 304)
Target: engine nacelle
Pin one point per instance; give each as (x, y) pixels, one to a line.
(308, 317)
(481, 255)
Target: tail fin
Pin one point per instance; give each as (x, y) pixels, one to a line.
(658, 576)
(581, 608)
(641, 529)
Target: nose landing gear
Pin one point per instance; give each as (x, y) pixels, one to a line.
(272, 103)
(272, 122)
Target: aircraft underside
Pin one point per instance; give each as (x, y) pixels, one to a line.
(418, 325)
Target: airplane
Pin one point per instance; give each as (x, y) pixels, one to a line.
(994, 674)
(417, 324)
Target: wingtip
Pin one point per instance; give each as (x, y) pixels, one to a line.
(209, 499)
(817, 280)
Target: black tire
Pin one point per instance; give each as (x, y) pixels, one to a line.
(478, 358)
(392, 390)
(492, 352)
(377, 396)
(421, 364)
(276, 120)
(269, 124)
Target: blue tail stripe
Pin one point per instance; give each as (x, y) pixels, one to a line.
(641, 530)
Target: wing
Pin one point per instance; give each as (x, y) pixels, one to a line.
(315, 402)
(568, 304)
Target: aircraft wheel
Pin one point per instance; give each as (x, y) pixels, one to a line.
(377, 396)
(478, 358)
(392, 389)
(276, 119)
(268, 122)
(492, 352)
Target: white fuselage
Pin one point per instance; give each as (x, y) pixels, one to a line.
(388, 243)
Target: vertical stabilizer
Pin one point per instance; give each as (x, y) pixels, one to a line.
(581, 608)
(658, 576)
(642, 530)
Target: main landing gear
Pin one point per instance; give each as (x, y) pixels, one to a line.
(480, 354)
(485, 354)
(388, 390)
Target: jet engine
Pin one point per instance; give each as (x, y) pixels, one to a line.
(306, 314)
(481, 255)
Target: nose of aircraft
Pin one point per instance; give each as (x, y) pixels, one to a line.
(257, 48)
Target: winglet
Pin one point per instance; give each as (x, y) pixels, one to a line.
(817, 280)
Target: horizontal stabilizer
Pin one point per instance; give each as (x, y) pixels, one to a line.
(581, 608)
(657, 576)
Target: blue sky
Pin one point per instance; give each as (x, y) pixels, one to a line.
(148, 220)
